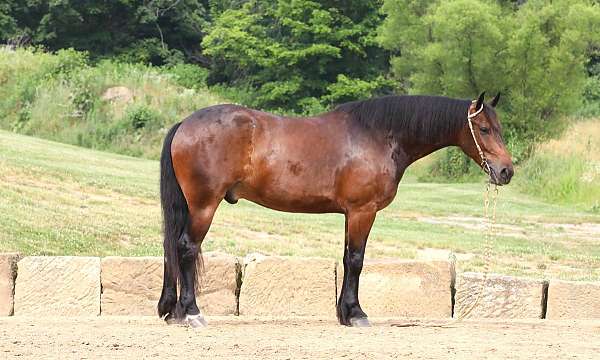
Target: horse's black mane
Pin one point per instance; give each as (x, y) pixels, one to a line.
(425, 118)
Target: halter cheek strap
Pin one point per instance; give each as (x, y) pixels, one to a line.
(484, 163)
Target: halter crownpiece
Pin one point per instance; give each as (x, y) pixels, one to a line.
(484, 163)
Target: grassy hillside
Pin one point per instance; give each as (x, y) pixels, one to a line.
(122, 108)
(65, 200)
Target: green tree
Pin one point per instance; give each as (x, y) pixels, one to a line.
(156, 31)
(8, 23)
(546, 63)
(535, 54)
(299, 54)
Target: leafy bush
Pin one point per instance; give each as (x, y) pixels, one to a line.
(188, 75)
(591, 98)
(450, 165)
(150, 51)
(140, 117)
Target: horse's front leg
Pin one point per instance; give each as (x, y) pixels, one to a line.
(358, 226)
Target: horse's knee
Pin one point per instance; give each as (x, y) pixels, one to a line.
(355, 261)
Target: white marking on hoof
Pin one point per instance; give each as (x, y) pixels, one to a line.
(195, 321)
(360, 322)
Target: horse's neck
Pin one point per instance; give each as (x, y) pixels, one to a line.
(414, 150)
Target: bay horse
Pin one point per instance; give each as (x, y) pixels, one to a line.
(349, 161)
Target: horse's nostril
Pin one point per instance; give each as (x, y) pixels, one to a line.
(506, 174)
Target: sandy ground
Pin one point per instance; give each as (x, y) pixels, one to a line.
(294, 338)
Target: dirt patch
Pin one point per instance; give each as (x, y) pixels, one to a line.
(583, 231)
(294, 338)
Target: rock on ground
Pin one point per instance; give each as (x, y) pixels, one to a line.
(8, 273)
(132, 285)
(405, 288)
(58, 285)
(288, 286)
(118, 94)
(504, 297)
(573, 300)
(219, 284)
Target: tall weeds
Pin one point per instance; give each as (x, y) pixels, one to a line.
(566, 170)
(59, 97)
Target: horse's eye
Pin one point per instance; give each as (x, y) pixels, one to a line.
(484, 130)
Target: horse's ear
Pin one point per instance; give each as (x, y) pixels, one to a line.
(494, 101)
(480, 100)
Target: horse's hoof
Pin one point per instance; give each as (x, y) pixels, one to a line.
(196, 321)
(172, 320)
(360, 322)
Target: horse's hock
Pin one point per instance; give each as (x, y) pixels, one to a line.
(132, 286)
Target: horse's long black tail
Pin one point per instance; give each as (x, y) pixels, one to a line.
(175, 219)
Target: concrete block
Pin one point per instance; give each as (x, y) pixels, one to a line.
(288, 286)
(132, 285)
(573, 300)
(503, 297)
(58, 285)
(405, 288)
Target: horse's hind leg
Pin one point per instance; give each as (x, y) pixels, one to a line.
(188, 249)
(168, 298)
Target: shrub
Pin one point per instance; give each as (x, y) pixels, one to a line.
(188, 75)
(140, 117)
(450, 165)
(591, 98)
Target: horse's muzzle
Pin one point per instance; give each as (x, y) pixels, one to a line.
(501, 175)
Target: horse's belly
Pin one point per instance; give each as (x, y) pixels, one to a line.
(290, 193)
(312, 204)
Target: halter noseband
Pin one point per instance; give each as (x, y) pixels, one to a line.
(484, 163)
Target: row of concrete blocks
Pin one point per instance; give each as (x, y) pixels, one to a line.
(272, 286)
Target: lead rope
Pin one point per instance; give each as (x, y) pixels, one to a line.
(490, 233)
(490, 223)
(487, 251)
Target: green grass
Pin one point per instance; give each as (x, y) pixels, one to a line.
(58, 199)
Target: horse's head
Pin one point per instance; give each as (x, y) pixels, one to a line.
(481, 139)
